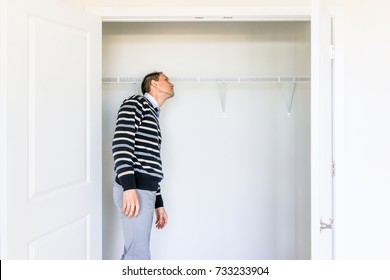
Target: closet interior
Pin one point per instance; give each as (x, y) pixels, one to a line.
(236, 136)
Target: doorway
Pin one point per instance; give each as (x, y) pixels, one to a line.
(236, 154)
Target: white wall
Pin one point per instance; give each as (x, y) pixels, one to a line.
(240, 175)
(367, 131)
(3, 122)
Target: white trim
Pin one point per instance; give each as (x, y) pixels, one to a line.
(315, 130)
(339, 137)
(228, 14)
(338, 128)
(184, 14)
(3, 128)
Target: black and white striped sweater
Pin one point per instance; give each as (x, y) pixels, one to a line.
(136, 147)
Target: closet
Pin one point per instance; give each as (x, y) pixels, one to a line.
(236, 136)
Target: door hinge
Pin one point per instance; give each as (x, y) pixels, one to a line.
(328, 225)
(333, 169)
(331, 53)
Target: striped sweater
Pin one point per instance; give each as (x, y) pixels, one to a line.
(136, 147)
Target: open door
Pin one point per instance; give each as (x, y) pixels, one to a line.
(52, 208)
(323, 159)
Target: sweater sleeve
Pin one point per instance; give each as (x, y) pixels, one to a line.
(128, 120)
(159, 201)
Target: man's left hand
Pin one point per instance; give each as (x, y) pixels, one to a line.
(161, 218)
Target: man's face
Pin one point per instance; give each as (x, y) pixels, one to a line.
(165, 86)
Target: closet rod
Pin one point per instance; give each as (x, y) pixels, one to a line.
(222, 80)
(216, 79)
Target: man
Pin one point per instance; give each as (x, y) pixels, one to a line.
(136, 151)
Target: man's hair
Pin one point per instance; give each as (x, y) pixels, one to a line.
(147, 81)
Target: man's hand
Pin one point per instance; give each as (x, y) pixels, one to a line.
(161, 218)
(130, 205)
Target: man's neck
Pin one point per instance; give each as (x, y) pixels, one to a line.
(158, 97)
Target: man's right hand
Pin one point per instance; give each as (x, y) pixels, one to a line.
(130, 204)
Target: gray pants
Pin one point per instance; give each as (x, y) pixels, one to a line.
(136, 231)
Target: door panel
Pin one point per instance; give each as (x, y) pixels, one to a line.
(53, 138)
(322, 129)
(49, 123)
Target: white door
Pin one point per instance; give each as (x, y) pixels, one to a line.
(52, 208)
(325, 84)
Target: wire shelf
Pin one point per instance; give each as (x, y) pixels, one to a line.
(215, 79)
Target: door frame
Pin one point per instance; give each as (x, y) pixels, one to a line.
(338, 134)
(253, 14)
(195, 14)
(302, 13)
(338, 128)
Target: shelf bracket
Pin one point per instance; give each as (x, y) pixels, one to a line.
(222, 95)
(292, 93)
